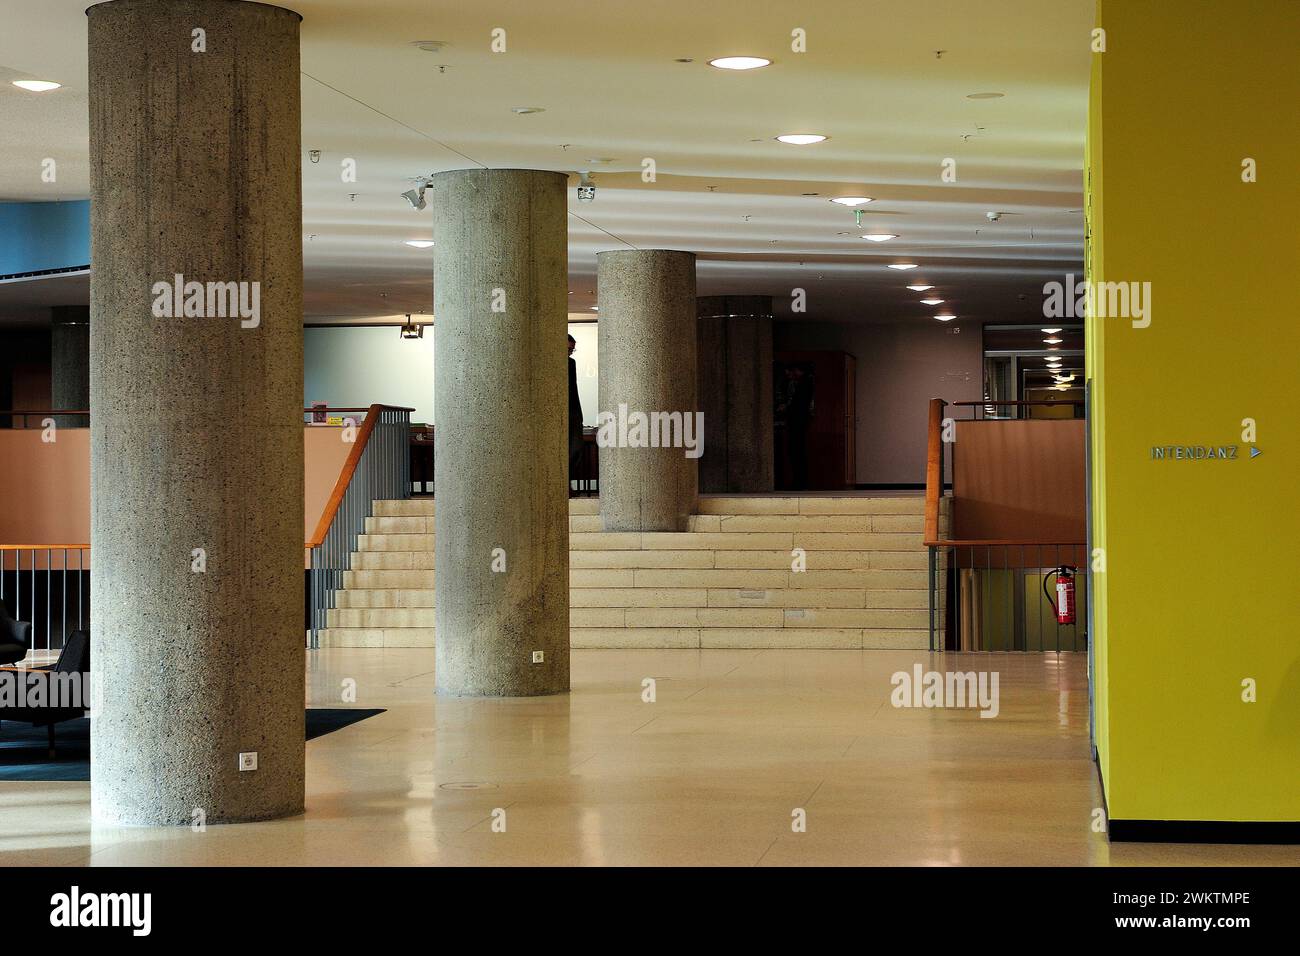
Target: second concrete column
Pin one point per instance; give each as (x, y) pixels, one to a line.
(647, 341)
(501, 390)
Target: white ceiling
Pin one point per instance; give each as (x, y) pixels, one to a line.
(606, 75)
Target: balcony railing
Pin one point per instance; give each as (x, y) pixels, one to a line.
(996, 594)
(378, 467)
(48, 585)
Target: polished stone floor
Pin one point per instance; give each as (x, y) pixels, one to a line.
(712, 772)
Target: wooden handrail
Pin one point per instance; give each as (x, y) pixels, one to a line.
(345, 476)
(934, 469)
(44, 547)
(997, 542)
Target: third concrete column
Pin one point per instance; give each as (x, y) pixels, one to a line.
(647, 340)
(501, 393)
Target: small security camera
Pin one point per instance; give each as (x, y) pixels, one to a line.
(415, 197)
(993, 216)
(586, 189)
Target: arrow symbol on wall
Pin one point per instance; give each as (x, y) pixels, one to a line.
(1254, 452)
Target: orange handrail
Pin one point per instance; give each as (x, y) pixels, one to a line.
(349, 468)
(934, 470)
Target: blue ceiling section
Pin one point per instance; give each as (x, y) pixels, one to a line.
(43, 237)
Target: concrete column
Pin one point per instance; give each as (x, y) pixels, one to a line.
(735, 331)
(501, 388)
(196, 439)
(70, 362)
(647, 345)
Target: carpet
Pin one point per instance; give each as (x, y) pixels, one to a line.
(24, 754)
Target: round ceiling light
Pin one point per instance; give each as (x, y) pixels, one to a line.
(801, 139)
(420, 243)
(37, 86)
(852, 200)
(945, 317)
(879, 236)
(932, 301)
(920, 288)
(740, 62)
(524, 110)
(984, 96)
(902, 266)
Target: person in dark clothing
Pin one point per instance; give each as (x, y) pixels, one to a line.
(576, 444)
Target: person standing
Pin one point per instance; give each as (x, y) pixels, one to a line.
(576, 443)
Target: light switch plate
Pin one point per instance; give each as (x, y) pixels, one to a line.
(248, 761)
(539, 657)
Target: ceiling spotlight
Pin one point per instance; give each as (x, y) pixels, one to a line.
(920, 288)
(945, 317)
(412, 330)
(931, 301)
(420, 243)
(801, 139)
(586, 188)
(416, 196)
(984, 96)
(1053, 341)
(525, 110)
(36, 86)
(1050, 331)
(879, 236)
(739, 62)
(852, 200)
(903, 266)
(429, 46)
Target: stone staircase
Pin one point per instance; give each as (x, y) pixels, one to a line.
(726, 582)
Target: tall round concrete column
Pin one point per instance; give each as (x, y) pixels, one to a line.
(197, 628)
(501, 388)
(646, 338)
(70, 362)
(735, 332)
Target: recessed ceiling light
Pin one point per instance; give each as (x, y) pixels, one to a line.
(1050, 331)
(801, 139)
(37, 86)
(684, 59)
(429, 46)
(420, 243)
(852, 200)
(984, 96)
(879, 236)
(1053, 341)
(595, 308)
(931, 301)
(739, 62)
(920, 288)
(902, 266)
(945, 317)
(523, 110)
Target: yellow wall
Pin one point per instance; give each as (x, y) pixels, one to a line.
(1201, 587)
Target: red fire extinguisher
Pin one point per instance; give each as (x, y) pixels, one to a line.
(1064, 603)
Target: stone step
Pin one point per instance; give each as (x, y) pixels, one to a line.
(379, 617)
(395, 542)
(384, 597)
(424, 507)
(377, 637)
(388, 578)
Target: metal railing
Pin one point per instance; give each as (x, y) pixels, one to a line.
(47, 585)
(995, 595)
(378, 467)
(1000, 596)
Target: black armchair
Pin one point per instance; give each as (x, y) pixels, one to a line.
(73, 659)
(15, 637)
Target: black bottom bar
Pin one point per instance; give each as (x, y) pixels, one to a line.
(1202, 831)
